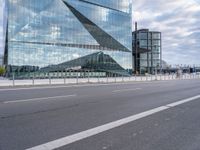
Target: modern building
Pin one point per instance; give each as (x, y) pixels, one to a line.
(63, 35)
(147, 51)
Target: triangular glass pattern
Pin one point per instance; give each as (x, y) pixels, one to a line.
(115, 23)
(54, 24)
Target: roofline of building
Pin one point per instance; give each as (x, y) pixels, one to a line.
(146, 30)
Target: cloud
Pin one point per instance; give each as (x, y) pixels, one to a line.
(179, 21)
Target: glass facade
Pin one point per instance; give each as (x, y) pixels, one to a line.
(2, 32)
(45, 33)
(149, 51)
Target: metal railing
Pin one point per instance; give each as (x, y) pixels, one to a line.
(64, 80)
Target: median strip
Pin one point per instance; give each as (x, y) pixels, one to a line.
(97, 130)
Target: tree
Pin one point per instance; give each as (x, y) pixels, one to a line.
(2, 71)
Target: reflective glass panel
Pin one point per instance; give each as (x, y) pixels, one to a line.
(45, 33)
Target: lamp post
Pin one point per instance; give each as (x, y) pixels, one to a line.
(136, 50)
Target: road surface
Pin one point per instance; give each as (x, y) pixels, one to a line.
(84, 117)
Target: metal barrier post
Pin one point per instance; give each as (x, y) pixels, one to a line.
(13, 78)
(77, 78)
(156, 76)
(88, 76)
(49, 79)
(33, 79)
(64, 77)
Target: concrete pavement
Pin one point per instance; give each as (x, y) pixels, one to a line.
(173, 129)
(33, 116)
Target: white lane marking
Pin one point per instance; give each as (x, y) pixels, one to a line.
(125, 90)
(183, 101)
(94, 131)
(38, 99)
(84, 85)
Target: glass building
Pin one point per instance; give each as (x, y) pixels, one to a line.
(147, 51)
(63, 35)
(2, 32)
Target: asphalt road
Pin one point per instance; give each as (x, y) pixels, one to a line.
(33, 116)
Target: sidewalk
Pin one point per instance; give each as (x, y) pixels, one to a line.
(67, 81)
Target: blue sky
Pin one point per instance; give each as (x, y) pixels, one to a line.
(178, 20)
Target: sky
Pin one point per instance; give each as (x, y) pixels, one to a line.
(178, 20)
(1, 25)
